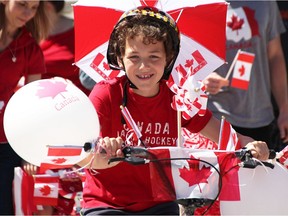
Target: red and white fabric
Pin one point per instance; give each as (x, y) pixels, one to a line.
(282, 156)
(228, 139)
(46, 189)
(192, 178)
(242, 70)
(193, 64)
(197, 141)
(60, 157)
(23, 187)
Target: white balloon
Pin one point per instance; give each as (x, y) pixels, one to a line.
(49, 112)
(262, 192)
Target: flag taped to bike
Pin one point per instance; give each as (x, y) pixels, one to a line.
(193, 173)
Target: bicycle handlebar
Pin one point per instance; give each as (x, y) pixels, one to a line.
(139, 155)
(247, 159)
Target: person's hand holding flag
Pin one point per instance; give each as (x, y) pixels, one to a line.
(214, 83)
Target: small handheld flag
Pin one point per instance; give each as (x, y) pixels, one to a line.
(131, 123)
(228, 139)
(242, 70)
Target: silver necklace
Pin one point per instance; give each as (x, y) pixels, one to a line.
(14, 59)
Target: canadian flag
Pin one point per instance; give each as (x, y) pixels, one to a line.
(242, 70)
(228, 139)
(192, 65)
(60, 157)
(23, 186)
(96, 66)
(102, 68)
(46, 189)
(192, 173)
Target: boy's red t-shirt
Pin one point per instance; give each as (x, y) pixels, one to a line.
(126, 186)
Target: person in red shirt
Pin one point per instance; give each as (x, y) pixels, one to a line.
(22, 25)
(59, 47)
(145, 43)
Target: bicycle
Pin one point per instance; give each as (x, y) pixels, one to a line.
(213, 188)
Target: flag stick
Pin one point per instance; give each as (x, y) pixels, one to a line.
(179, 128)
(233, 64)
(220, 134)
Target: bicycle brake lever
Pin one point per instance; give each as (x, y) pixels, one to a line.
(131, 160)
(132, 155)
(247, 159)
(243, 154)
(129, 151)
(116, 159)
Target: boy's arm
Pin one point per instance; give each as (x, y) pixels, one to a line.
(258, 149)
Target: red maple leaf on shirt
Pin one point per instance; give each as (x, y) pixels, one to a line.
(236, 23)
(50, 88)
(45, 190)
(241, 70)
(195, 175)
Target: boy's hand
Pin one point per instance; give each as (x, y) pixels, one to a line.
(258, 149)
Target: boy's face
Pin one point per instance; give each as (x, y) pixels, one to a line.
(144, 65)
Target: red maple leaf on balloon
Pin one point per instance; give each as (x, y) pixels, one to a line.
(45, 190)
(236, 23)
(59, 160)
(50, 88)
(195, 175)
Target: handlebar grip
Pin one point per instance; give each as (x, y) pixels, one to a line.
(272, 154)
(87, 146)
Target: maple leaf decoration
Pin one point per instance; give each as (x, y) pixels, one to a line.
(189, 63)
(194, 175)
(106, 66)
(284, 158)
(236, 23)
(45, 190)
(59, 160)
(241, 70)
(51, 89)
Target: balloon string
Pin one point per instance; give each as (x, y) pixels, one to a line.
(254, 170)
(262, 165)
(92, 170)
